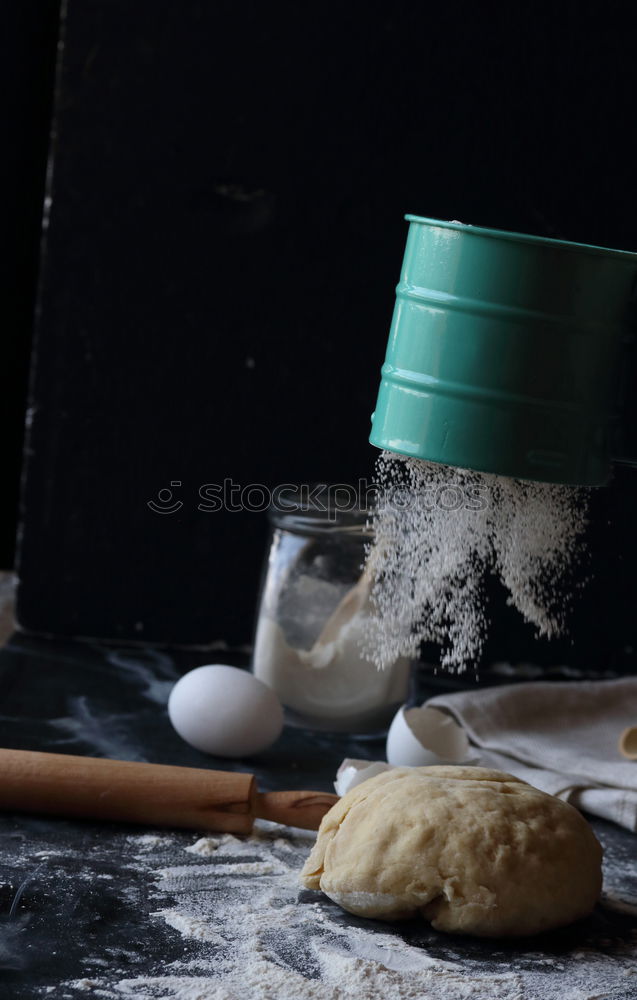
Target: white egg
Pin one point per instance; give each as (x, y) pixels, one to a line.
(421, 736)
(225, 711)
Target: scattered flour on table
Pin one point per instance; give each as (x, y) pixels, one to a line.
(439, 531)
(149, 841)
(204, 846)
(257, 935)
(192, 927)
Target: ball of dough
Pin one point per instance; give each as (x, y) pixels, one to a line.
(472, 850)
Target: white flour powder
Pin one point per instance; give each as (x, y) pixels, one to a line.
(439, 531)
(250, 932)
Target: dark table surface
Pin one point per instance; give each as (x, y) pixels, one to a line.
(81, 903)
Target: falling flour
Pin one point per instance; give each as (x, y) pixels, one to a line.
(438, 533)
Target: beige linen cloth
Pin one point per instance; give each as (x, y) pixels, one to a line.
(560, 737)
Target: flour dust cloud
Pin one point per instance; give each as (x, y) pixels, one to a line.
(440, 531)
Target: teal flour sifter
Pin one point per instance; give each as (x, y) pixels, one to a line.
(506, 353)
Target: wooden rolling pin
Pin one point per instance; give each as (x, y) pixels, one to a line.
(155, 794)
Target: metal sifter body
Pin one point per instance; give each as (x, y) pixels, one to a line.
(506, 353)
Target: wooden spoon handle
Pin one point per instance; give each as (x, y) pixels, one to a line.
(153, 794)
(628, 743)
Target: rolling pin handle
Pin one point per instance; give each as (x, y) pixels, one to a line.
(302, 809)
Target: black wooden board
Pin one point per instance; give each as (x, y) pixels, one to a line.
(224, 233)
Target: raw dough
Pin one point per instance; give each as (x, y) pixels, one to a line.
(474, 851)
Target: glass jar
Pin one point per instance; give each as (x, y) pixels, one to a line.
(314, 606)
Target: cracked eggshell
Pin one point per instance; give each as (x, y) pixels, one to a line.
(353, 771)
(418, 737)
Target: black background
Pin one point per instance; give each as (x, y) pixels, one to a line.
(27, 62)
(223, 242)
